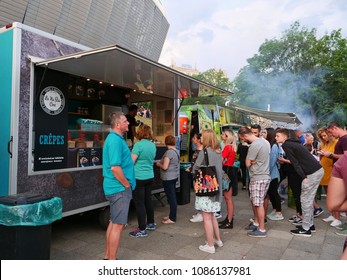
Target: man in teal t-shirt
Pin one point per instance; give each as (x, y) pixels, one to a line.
(116, 153)
(119, 181)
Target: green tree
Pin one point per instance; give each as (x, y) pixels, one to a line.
(296, 73)
(217, 78)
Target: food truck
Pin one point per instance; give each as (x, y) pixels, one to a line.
(56, 97)
(195, 118)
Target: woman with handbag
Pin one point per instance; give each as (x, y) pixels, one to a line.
(228, 155)
(169, 172)
(196, 140)
(208, 205)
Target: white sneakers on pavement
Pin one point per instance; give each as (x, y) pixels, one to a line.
(211, 249)
(329, 219)
(336, 223)
(197, 218)
(218, 243)
(275, 216)
(207, 249)
(218, 215)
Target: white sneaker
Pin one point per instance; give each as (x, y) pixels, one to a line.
(274, 216)
(343, 215)
(336, 223)
(207, 249)
(197, 213)
(197, 218)
(218, 215)
(219, 243)
(329, 219)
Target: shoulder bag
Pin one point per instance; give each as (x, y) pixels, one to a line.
(205, 179)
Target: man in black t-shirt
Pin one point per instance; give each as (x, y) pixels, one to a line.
(132, 123)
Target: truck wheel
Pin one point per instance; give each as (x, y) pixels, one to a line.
(104, 217)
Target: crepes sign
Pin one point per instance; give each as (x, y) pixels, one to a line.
(50, 121)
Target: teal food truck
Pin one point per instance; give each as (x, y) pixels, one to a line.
(56, 97)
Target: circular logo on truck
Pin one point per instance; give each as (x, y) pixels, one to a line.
(52, 100)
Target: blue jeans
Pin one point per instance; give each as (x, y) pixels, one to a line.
(170, 191)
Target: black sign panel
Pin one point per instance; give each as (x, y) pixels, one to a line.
(50, 120)
(96, 156)
(83, 157)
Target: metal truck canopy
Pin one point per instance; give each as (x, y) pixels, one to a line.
(121, 67)
(288, 118)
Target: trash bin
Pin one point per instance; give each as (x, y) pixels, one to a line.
(25, 226)
(183, 196)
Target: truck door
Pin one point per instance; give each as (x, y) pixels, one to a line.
(6, 43)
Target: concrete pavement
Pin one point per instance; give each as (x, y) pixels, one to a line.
(81, 238)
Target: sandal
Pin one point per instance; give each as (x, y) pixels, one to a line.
(167, 222)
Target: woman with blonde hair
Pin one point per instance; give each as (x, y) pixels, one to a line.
(328, 143)
(228, 155)
(208, 205)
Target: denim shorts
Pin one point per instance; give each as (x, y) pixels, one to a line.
(119, 206)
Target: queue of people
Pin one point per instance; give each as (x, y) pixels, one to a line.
(279, 154)
(129, 175)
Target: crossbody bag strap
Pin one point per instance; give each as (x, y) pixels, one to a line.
(206, 157)
(178, 156)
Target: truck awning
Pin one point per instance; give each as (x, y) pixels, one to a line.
(280, 117)
(121, 67)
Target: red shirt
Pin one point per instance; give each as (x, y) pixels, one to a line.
(228, 155)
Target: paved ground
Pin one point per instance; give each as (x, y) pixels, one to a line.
(80, 237)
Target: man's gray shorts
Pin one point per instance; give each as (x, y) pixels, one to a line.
(119, 206)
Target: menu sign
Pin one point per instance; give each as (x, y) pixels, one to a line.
(50, 122)
(83, 157)
(96, 156)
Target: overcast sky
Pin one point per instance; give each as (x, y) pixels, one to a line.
(222, 34)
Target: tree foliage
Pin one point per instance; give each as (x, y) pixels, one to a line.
(217, 78)
(297, 73)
